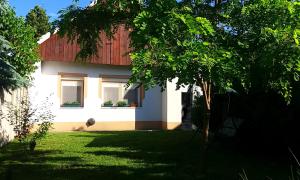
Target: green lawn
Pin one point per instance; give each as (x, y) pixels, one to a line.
(129, 155)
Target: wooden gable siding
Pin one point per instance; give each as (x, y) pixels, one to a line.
(113, 51)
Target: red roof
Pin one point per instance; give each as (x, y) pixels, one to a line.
(113, 51)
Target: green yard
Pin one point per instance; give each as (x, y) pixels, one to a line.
(129, 155)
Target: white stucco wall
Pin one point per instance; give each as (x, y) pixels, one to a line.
(171, 103)
(46, 84)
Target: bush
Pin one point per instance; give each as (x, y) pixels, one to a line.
(23, 117)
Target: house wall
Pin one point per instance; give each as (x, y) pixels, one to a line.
(149, 116)
(171, 106)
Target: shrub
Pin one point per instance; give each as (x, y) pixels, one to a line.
(23, 117)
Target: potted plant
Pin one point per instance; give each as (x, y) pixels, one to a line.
(108, 104)
(122, 104)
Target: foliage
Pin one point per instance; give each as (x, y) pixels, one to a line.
(24, 47)
(179, 51)
(27, 119)
(82, 25)
(174, 38)
(168, 40)
(251, 46)
(265, 36)
(9, 78)
(38, 19)
(108, 103)
(42, 130)
(122, 104)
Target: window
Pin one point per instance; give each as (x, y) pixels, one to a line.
(72, 92)
(116, 93)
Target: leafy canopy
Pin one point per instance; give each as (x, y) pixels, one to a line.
(168, 40)
(9, 78)
(24, 47)
(38, 19)
(264, 35)
(178, 49)
(253, 45)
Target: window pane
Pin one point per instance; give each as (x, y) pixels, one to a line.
(111, 94)
(131, 95)
(72, 93)
(116, 91)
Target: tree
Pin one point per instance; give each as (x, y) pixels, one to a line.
(24, 48)
(38, 19)
(9, 78)
(215, 46)
(265, 36)
(168, 40)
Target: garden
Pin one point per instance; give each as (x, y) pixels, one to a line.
(247, 48)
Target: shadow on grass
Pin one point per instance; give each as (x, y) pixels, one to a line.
(150, 155)
(46, 172)
(149, 147)
(122, 155)
(170, 154)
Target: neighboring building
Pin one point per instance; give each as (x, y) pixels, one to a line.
(80, 91)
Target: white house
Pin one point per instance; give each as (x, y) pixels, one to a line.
(80, 91)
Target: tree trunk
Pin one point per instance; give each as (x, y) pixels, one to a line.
(205, 142)
(207, 93)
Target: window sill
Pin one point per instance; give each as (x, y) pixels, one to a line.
(71, 107)
(115, 107)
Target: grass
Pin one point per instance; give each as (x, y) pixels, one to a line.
(129, 155)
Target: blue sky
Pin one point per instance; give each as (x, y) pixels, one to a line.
(22, 7)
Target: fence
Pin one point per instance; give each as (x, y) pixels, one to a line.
(6, 130)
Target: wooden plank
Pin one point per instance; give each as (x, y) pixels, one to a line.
(116, 48)
(112, 52)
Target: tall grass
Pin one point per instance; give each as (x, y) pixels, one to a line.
(295, 170)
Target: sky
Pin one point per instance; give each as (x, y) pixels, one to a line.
(22, 7)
